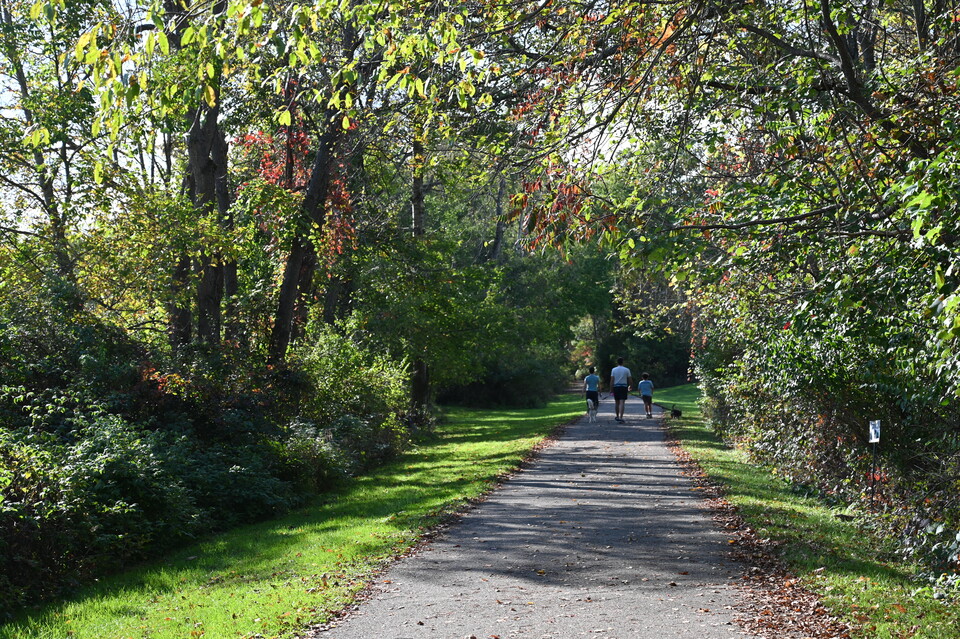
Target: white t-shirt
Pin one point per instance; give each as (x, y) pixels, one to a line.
(620, 375)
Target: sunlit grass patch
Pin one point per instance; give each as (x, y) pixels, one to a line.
(859, 576)
(272, 578)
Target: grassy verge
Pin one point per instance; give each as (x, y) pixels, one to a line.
(271, 579)
(858, 575)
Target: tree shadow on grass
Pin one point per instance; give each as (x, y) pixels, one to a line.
(365, 521)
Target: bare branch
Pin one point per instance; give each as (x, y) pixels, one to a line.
(787, 47)
(751, 223)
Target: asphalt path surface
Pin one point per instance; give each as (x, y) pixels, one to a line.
(600, 537)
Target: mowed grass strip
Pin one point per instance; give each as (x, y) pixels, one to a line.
(859, 575)
(274, 578)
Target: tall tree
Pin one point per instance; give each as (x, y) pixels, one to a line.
(45, 143)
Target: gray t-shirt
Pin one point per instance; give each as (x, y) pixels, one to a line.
(620, 375)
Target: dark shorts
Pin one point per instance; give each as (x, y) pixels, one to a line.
(647, 399)
(620, 392)
(595, 396)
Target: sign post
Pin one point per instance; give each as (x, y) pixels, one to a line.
(874, 440)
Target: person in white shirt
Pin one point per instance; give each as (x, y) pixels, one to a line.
(620, 383)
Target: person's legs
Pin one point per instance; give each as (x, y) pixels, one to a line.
(620, 397)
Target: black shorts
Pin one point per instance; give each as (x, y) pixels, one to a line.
(647, 399)
(620, 392)
(595, 396)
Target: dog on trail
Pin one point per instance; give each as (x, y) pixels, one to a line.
(591, 411)
(675, 412)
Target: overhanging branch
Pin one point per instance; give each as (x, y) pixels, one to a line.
(733, 226)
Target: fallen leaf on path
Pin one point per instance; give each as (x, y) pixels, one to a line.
(775, 603)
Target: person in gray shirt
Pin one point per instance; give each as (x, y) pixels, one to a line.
(620, 383)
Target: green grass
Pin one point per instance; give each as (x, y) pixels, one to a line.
(859, 576)
(273, 578)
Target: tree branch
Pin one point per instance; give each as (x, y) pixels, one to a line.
(742, 225)
(787, 47)
(11, 230)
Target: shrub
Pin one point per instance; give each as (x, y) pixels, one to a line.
(358, 396)
(105, 458)
(801, 406)
(308, 460)
(529, 383)
(109, 493)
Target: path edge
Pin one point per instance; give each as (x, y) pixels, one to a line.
(426, 535)
(766, 583)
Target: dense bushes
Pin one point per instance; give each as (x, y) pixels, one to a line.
(525, 383)
(108, 492)
(358, 401)
(800, 401)
(107, 459)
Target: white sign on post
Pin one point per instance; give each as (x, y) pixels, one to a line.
(875, 431)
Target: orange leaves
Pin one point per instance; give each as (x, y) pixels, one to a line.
(271, 154)
(519, 202)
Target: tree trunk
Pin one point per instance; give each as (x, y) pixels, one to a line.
(231, 286)
(419, 388)
(420, 378)
(922, 22)
(178, 309)
(336, 300)
(306, 294)
(496, 251)
(301, 263)
(283, 320)
(416, 192)
(202, 164)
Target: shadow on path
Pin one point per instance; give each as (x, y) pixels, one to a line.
(600, 537)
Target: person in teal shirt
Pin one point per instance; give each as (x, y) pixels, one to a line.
(591, 387)
(646, 393)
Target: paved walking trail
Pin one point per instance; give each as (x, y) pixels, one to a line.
(600, 537)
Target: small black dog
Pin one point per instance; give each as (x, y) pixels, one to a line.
(675, 413)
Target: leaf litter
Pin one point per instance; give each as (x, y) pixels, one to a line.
(773, 604)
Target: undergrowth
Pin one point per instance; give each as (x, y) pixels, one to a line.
(274, 578)
(860, 575)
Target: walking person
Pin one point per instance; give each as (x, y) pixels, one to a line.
(646, 393)
(591, 387)
(620, 382)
